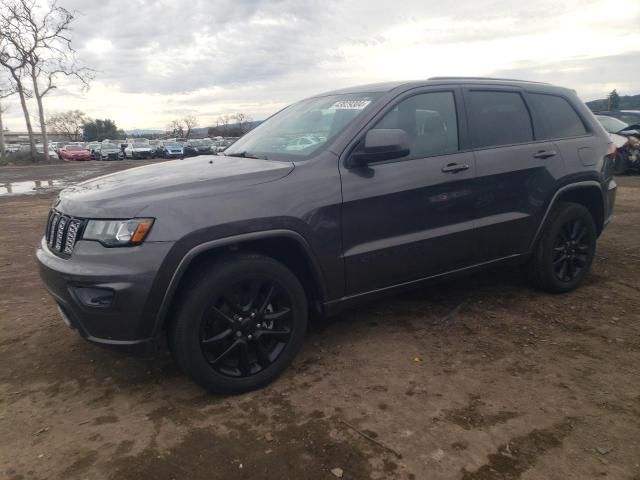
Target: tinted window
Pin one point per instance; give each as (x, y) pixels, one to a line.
(430, 121)
(498, 118)
(556, 116)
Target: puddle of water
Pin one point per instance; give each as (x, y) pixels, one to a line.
(30, 187)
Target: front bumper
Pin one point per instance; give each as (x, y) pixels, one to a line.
(125, 274)
(137, 155)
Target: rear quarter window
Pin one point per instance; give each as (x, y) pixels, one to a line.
(555, 117)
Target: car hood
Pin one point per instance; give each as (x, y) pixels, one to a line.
(125, 194)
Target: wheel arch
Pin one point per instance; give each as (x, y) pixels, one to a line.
(286, 246)
(587, 193)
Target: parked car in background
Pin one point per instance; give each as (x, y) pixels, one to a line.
(627, 141)
(94, 148)
(630, 117)
(193, 148)
(75, 152)
(52, 155)
(109, 151)
(138, 148)
(171, 150)
(217, 255)
(155, 145)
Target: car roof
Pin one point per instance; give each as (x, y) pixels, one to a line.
(385, 87)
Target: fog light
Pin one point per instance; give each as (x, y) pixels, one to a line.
(94, 297)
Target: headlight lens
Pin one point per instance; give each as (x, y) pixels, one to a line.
(118, 233)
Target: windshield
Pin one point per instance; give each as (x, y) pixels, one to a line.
(74, 148)
(610, 124)
(197, 143)
(109, 146)
(302, 128)
(172, 145)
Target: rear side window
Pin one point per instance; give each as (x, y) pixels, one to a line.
(555, 117)
(430, 122)
(498, 118)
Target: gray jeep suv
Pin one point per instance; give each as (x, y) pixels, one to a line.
(394, 185)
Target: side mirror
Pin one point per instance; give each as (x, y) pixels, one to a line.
(381, 144)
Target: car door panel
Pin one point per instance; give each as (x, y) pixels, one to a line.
(406, 220)
(513, 186)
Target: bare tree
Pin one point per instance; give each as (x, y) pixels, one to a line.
(242, 119)
(67, 123)
(14, 63)
(41, 39)
(190, 122)
(176, 127)
(223, 123)
(4, 93)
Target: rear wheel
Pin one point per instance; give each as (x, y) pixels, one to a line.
(240, 324)
(565, 251)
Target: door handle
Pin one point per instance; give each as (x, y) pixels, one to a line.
(545, 154)
(455, 167)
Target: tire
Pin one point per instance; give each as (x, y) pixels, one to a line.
(215, 339)
(564, 253)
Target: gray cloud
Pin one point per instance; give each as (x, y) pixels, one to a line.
(218, 56)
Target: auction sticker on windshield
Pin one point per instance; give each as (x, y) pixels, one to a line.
(350, 105)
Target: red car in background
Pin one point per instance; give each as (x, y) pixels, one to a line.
(74, 152)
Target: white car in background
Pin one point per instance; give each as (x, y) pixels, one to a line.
(138, 148)
(52, 153)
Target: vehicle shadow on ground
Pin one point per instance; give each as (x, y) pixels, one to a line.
(424, 308)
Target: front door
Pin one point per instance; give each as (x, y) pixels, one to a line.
(411, 218)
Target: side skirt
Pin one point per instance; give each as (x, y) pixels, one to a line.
(334, 307)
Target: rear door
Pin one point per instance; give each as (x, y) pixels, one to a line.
(516, 172)
(412, 217)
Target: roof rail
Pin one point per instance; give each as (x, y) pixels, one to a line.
(488, 78)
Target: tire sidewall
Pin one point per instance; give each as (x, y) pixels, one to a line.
(566, 213)
(185, 337)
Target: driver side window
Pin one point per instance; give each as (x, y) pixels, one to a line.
(430, 121)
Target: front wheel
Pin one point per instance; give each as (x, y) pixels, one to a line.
(565, 251)
(240, 324)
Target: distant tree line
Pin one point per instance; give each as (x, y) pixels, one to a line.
(74, 125)
(615, 101)
(232, 125)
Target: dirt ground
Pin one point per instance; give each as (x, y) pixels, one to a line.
(475, 379)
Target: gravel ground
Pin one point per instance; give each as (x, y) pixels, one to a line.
(478, 378)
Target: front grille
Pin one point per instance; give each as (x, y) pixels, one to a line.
(62, 232)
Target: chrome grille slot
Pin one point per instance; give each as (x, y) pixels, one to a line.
(62, 233)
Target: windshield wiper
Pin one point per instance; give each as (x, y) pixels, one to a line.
(246, 154)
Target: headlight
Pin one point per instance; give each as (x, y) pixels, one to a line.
(118, 233)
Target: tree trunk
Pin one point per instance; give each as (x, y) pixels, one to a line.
(43, 127)
(27, 119)
(1, 134)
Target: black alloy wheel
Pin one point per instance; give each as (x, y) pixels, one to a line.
(239, 322)
(246, 327)
(564, 252)
(571, 250)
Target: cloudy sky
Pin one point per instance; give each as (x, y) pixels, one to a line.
(158, 60)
